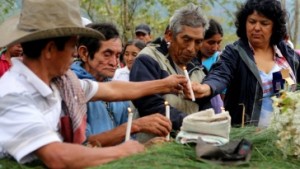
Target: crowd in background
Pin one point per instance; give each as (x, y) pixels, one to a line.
(82, 95)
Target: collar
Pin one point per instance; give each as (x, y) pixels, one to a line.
(32, 78)
(277, 51)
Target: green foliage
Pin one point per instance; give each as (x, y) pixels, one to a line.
(155, 13)
(5, 8)
(172, 155)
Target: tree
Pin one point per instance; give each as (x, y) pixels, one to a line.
(293, 19)
(156, 13)
(123, 13)
(7, 8)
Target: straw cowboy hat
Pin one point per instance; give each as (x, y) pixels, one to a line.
(42, 19)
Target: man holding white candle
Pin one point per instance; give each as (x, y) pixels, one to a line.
(159, 60)
(106, 121)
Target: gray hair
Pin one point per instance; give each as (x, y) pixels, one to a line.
(190, 15)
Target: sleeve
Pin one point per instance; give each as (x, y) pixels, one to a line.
(222, 71)
(293, 58)
(146, 68)
(23, 127)
(89, 87)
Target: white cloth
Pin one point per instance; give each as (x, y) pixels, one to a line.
(184, 137)
(122, 74)
(207, 125)
(30, 111)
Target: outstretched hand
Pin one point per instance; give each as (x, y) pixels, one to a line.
(200, 90)
(175, 83)
(156, 124)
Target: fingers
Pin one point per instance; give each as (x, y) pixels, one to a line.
(156, 124)
(177, 79)
(201, 90)
(132, 147)
(163, 125)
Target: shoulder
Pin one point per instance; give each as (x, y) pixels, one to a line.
(10, 82)
(233, 50)
(286, 50)
(89, 87)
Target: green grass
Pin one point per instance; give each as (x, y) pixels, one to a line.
(172, 156)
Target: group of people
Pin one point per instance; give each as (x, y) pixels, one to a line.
(52, 107)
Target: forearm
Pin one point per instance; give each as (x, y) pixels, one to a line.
(132, 90)
(111, 137)
(64, 155)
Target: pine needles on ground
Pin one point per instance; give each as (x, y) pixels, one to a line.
(176, 156)
(172, 155)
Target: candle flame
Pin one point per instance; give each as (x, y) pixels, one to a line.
(166, 103)
(184, 68)
(129, 110)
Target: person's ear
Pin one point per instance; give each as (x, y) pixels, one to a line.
(83, 53)
(168, 36)
(49, 50)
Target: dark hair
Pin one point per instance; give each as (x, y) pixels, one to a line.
(33, 49)
(269, 8)
(136, 42)
(109, 31)
(214, 28)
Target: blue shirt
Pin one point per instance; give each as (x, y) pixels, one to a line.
(210, 61)
(101, 116)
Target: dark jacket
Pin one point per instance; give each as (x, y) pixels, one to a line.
(146, 68)
(238, 72)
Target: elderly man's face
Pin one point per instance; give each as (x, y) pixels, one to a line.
(106, 59)
(184, 46)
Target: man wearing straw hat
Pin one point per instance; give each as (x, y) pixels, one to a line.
(43, 104)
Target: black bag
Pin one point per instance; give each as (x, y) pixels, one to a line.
(236, 152)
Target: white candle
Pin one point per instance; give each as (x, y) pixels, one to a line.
(167, 111)
(128, 129)
(189, 83)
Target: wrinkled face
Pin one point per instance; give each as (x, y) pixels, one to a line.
(143, 37)
(259, 29)
(61, 60)
(15, 50)
(211, 45)
(185, 45)
(130, 54)
(106, 59)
